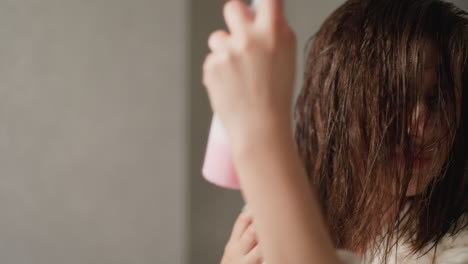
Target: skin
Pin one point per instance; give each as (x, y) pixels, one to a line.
(243, 246)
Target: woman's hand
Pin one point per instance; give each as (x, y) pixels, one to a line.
(249, 76)
(250, 72)
(242, 247)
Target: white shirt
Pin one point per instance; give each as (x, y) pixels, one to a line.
(451, 250)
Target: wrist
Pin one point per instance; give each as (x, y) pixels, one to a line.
(262, 136)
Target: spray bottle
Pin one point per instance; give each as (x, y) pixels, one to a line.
(218, 167)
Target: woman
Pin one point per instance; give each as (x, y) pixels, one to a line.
(379, 130)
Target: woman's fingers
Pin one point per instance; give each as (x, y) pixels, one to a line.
(218, 40)
(237, 16)
(242, 246)
(255, 255)
(271, 12)
(242, 223)
(248, 240)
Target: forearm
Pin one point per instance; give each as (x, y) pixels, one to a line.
(287, 218)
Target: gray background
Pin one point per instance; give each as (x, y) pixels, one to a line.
(103, 129)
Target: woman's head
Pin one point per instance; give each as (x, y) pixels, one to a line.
(381, 116)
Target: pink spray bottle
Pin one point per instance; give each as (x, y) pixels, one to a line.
(218, 167)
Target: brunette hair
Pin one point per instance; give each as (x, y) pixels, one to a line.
(361, 83)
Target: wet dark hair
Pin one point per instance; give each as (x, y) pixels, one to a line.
(363, 73)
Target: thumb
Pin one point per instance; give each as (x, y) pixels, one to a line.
(270, 11)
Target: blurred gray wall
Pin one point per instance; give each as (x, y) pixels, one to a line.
(103, 129)
(93, 134)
